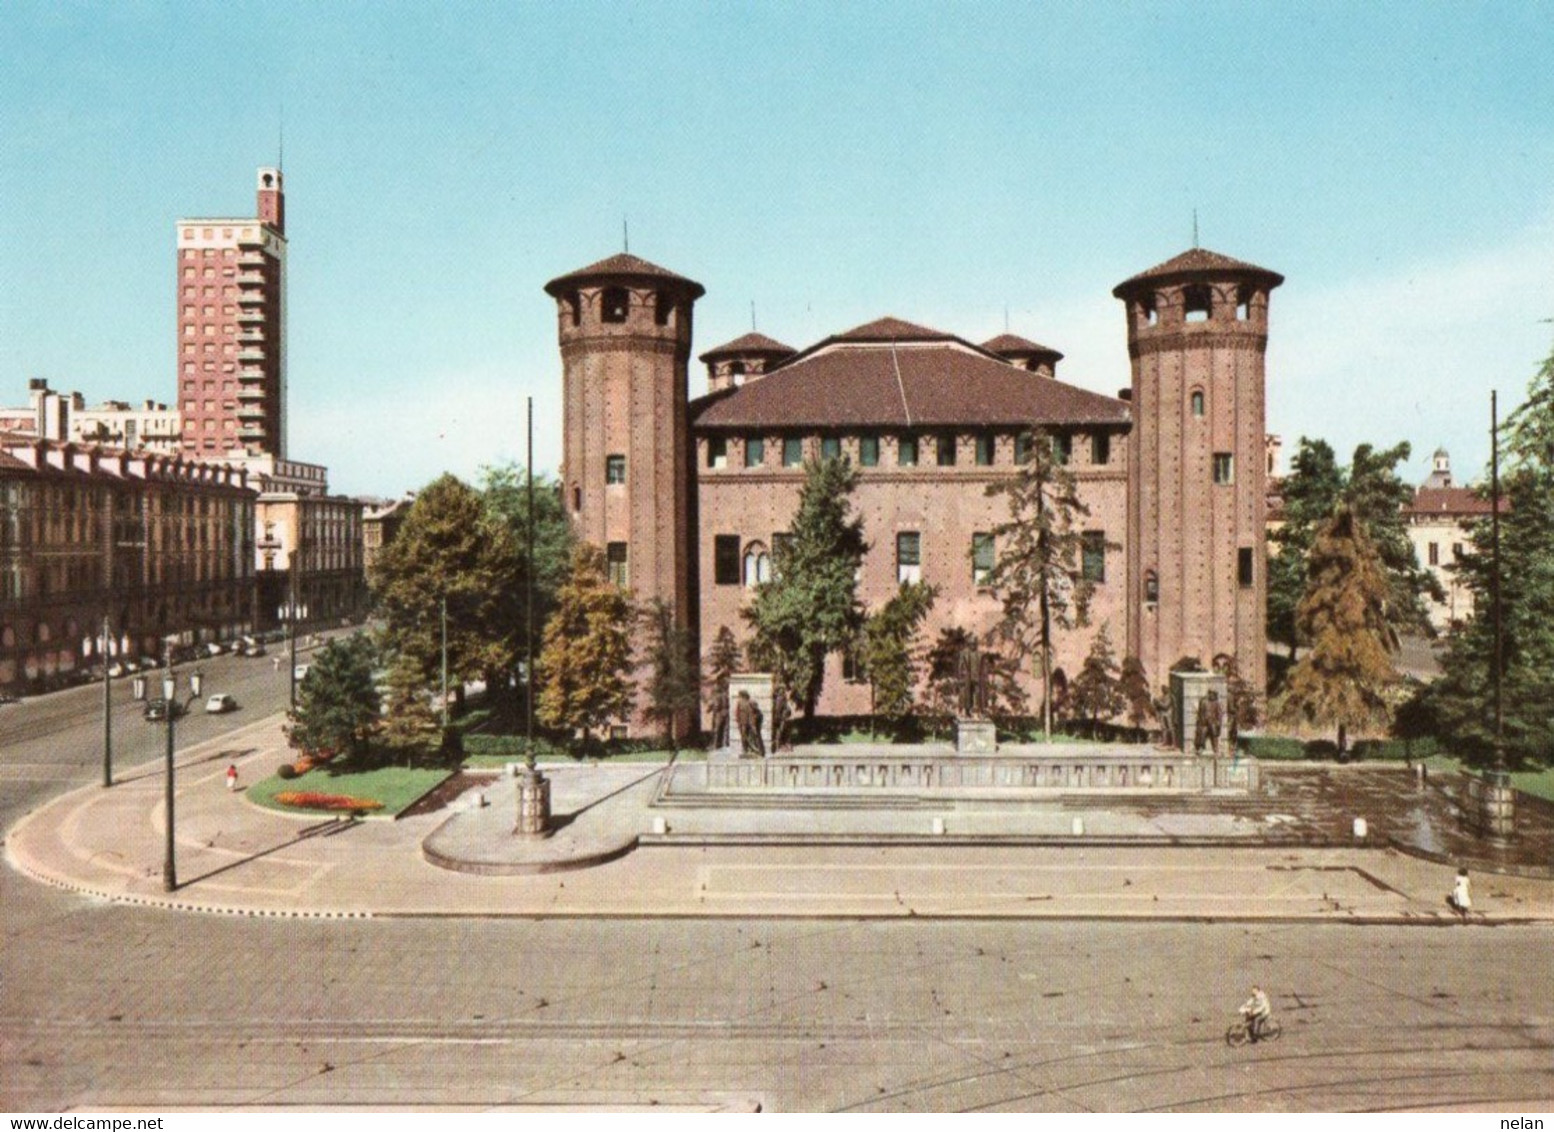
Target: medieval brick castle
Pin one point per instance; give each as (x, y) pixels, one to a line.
(690, 498)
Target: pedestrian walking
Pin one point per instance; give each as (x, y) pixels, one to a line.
(1461, 899)
(231, 777)
(275, 664)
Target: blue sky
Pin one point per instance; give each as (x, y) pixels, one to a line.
(829, 163)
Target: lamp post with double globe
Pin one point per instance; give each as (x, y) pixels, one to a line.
(170, 703)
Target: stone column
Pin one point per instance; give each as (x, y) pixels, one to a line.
(533, 804)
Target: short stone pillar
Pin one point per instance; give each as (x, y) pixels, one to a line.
(1188, 690)
(1496, 806)
(533, 804)
(975, 737)
(759, 687)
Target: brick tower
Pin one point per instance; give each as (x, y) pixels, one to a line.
(625, 331)
(1197, 334)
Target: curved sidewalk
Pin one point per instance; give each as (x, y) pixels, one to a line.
(236, 858)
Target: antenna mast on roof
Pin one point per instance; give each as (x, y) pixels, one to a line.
(625, 235)
(280, 149)
(1195, 228)
(752, 315)
(1006, 318)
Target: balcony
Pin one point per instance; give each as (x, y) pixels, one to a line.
(249, 393)
(251, 314)
(250, 413)
(252, 298)
(250, 354)
(250, 334)
(251, 432)
(248, 258)
(251, 279)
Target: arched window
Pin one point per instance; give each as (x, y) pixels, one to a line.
(615, 304)
(1197, 402)
(1197, 304)
(41, 633)
(758, 565)
(663, 308)
(574, 305)
(1151, 587)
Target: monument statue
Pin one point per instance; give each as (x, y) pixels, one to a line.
(782, 715)
(747, 717)
(719, 722)
(972, 671)
(1165, 712)
(1210, 719)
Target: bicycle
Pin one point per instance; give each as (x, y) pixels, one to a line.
(1240, 1033)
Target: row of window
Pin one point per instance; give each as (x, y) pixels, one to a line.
(911, 450)
(752, 565)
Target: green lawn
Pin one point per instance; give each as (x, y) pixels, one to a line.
(395, 786)
(1539, 783)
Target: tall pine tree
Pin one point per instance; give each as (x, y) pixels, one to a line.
(810, 608)
(1037, 575)
(889, 651)
(585, 668)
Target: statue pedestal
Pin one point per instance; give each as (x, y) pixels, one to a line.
(975, 737)
(1495, 804)
(533, 804)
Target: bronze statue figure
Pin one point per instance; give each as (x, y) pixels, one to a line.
(719, 722)
(747, 716)
(1210, 719)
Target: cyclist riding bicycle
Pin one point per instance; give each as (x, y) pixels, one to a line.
(1256, 1011)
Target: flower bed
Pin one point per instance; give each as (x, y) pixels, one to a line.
(311, 800)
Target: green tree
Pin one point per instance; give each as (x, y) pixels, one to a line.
(1135, 689)
(505, 492)
(889, 653)
(1005, 697)
(1461, 703)
(338, 706)
(1037, 575)
(674, 679)
(585, 666)
(810, 607)
(722, 662)
(1375, 494)
(1097, 692)
(451, 552)
(1346, 677)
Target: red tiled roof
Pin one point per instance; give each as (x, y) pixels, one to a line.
(1449, 501)
(890, 329)
(623, 266)
(1194, 262)
(1014, 345)
(752, 343)
(879, 385)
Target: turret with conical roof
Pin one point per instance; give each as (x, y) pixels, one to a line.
(625, 330)
(1197, 334)
(746, 358)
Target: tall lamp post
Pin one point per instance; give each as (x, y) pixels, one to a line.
(104, 654)
(291, 614)
(170, 700)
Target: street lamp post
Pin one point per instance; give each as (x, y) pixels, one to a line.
(170, 703)
(103, 656)
(291, 613)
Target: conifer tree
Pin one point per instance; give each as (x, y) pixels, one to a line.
(1135, 689)
(810, 607)
(722, 662)
(674, 682)
(1345, 678)
(1037, 575)
(338, 703)
(1097, 692)
(889, 652)
(585, 668)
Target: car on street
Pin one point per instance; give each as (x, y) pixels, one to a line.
(220, 704)
(253, 648)
(156, 710)
(301, 671)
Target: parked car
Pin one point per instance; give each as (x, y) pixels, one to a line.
(301, 672)
(219, 704)
(157, 710)
(253, 648)
(214, 648)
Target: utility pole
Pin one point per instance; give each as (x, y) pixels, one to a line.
(1494, 527)
(107, 707)
(528, 667)
(445, 662)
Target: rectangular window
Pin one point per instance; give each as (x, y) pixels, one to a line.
(1435, 554)
(869, 451)
(831, 448)
(1022, 448)
(1062, 448)
(717, 452)
(615, 563)
(909, 551)
(1244, 566)
(725, 560)
(792, 451)
(1101, 448)
(615, 469)
(906, 451)
(984, 449)
(1456, 550)
(1093, 556)
(1224, 467)
(981, 559)
(852, 667)
(755, 451)
(945, 453)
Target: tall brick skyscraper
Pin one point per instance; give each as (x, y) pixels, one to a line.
(1197, 333)
(232, 329)
(625, 330)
